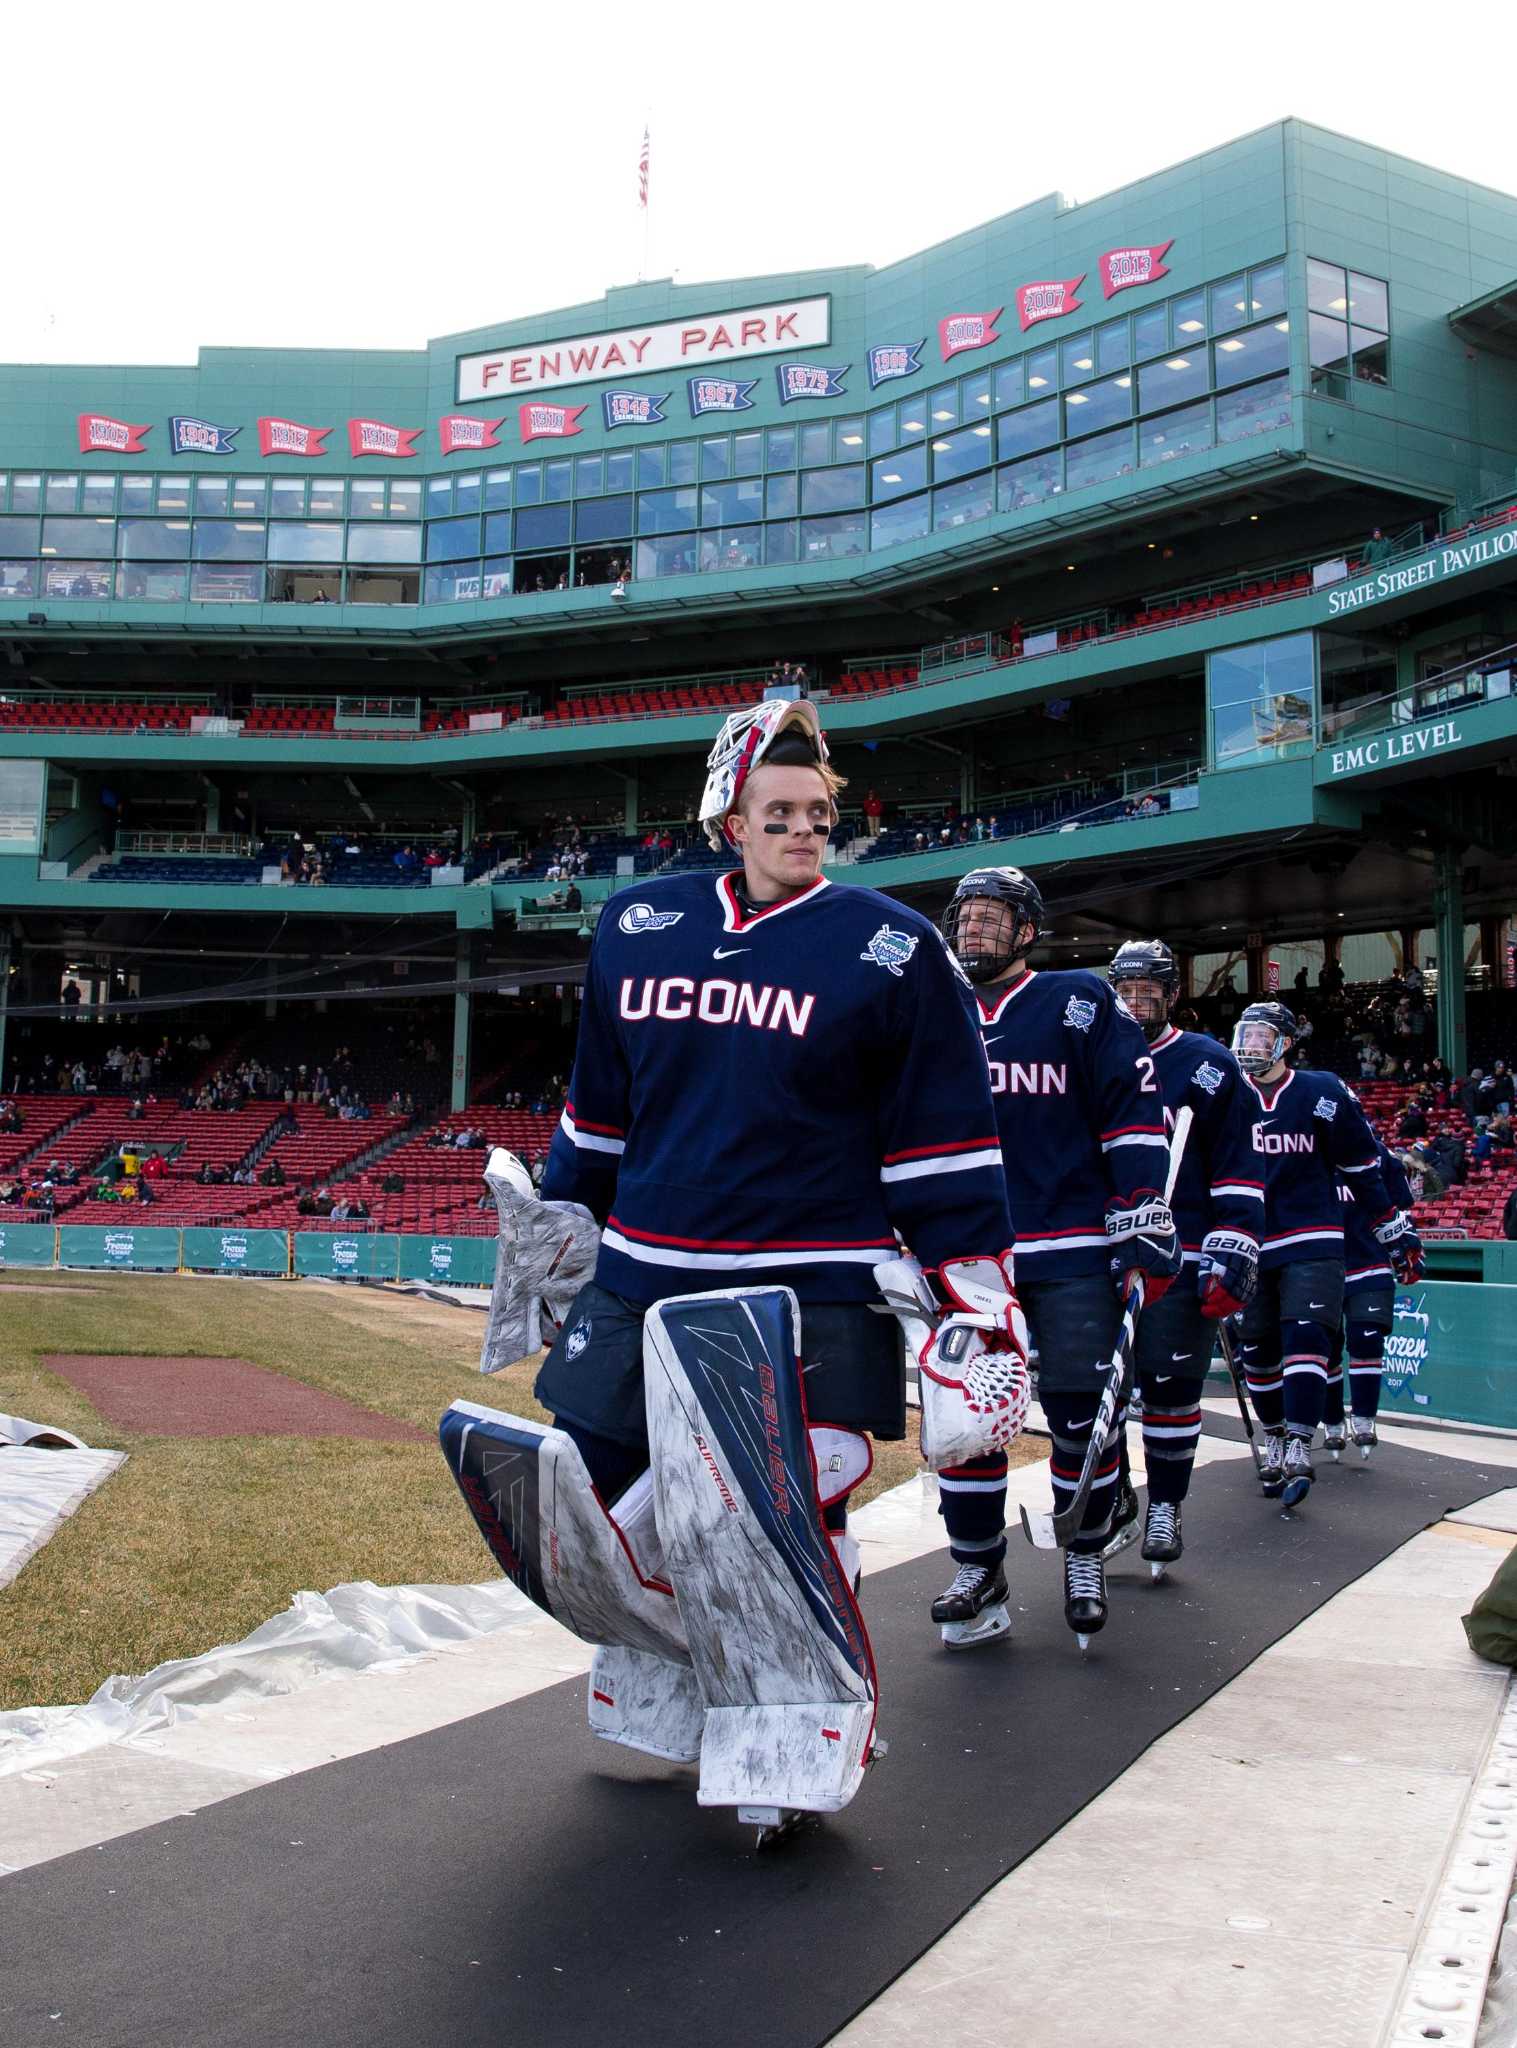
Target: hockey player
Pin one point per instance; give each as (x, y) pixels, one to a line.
(1081, 1121)
(1218, 1206)
(1369, 1313)
(774, 1077)
(1309, 1130)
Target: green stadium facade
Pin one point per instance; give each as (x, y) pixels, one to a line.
(1168, 540)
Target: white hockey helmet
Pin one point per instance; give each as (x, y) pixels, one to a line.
(742, 743)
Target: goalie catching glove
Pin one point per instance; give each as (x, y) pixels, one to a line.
(1229, 1272)
(1397, 1235)
(1143, 1239)
(971, 1356)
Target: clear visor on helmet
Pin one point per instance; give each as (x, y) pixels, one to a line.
(987, 933)
(1257, 1046)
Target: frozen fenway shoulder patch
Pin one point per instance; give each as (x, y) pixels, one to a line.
(1325, 1108)
(890, 948)
(1208, 1077)
(1079, 1014)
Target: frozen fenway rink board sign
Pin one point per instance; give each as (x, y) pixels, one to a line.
(693, 343)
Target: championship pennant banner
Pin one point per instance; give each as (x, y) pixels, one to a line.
(893, 359)
(289, 437)
(633, 408)
(201, 437)
(458, 433)
(377, 437)
(1121, 269)
(810, 380)
(968, 330)
(720, 394)
(100, 435)
(548, 422)
(1050, 299)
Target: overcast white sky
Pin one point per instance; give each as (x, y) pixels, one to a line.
(342, 176)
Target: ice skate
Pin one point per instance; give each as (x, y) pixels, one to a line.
(1124, 1524)
(777, 1824)
(1272, 1464)
(973, 1609)
(1365, 1436)
(1333, 1440)
(1162, 1541)
(1084, 1595)
(1298, 1471)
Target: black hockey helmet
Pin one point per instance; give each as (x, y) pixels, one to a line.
(1146, 960)
(990, 944)
(1263, 1035)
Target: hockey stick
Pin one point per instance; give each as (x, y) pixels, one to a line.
(1235, 1373)
(1053, 1531)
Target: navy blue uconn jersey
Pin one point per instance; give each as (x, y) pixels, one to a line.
(1365, 1263)
(1221, 1179)
(1080, 1114)
(774, 1097)
(1310, 1129)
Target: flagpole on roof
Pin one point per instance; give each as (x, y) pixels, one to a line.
(642, 199)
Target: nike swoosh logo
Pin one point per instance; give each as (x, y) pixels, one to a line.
(726, 952)
(1178, 1357)
(1316, 1304)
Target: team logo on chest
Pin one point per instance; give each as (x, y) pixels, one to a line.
(890, 948)
(642, 917)
(1080, 1015)
(1208, 1077)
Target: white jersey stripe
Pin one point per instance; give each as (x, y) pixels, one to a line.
(587, 1141)
(723, 1262)
(1081, 1242)
(942, 1162)
(1304, 1237)
(1136, 1138)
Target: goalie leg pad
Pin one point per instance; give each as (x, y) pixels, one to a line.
(776, 1638)
(646, 1703)
(551, 1534)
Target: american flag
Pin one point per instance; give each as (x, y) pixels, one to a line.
(642, 174)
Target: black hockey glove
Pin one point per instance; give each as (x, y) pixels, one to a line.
(1143, 1239)
(1398, 1235)
(1229, 1272)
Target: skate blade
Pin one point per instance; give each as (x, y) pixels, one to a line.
(776, 1824)
(1295, 1493)
(968, 1635)
(1157, 1571)
(1335, 1454)
(1364, 1453)
(1082, 1644)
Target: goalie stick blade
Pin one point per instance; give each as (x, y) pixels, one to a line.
(1048, 1532)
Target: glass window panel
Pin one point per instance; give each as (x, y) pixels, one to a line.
(1371, 358)
(1098, 405)
(387, 586)
(287, 497)
(1184, 375)
(621, 468)
(670, 554)
(497, 489)
(4, 489)
(943, 407)
(1227, 304)
(154, 540)
(448, 540)
(468, 491)
(1028, 483)
(1096, 460)
(304, 541)
(1368, 302)
(366, 498)
(1042, 371)
(716, 459)
(1187, 315)
(1326, 288)
(958, 504)
(1327, 343)
(62, 494)
(893, 476)
(730, 549)
(18, 579)
(1077, 358)
(529, 483)
(882, 429)
(847, 439)
(327, 500)
(454, 583)
(497, 576)
(384, 543)
(439, 497)
(497, 532)
(1186, 432)
(212, 584)
(1035, 426)
(589, 475)
(1253, 353)
(1256, 409)
(779, 448)
(844, 534)
(914, 418)
(976, 395)
(173, 494)
(21, 789)
(816, 445)
(18, 536)
(153, 582)
(650, 467)
(76, 579)
(249, 496)
(1112, 351)
(405, 501)
(682, 463)
(1261, 700)
(833, 490)
(213, 495)
(889, 525)
(136, 494)
(781, 541)
(665, 511)
(781, 493)
(1010, 386)
(26, 493)
(734, 503)
(958, 454)
(229, 540)
(542, 526)
(605, 518)
(558, 479)
(1266, 291)
(98, 494)
(92, 537)
(747, 454)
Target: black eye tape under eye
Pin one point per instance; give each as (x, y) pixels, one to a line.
(818, 831)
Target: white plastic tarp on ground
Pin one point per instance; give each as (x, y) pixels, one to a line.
(40, 1488)
(319, 1636)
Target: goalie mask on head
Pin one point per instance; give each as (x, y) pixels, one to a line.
(749, 738)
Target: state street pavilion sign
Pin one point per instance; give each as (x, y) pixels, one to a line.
(624, 351)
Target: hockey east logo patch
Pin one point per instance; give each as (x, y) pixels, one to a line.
(642, 917)
(890, 948)
(1079, 1015)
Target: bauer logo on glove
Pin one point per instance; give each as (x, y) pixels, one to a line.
(1143, 1238)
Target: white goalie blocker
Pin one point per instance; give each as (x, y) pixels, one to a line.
(546, 1253)
(722, 1607)
(975, 1400)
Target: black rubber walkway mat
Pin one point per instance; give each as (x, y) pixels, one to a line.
(508, 1880)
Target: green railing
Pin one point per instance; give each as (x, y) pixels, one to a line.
(272, 1254)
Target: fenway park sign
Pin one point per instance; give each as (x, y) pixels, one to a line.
(694, 344)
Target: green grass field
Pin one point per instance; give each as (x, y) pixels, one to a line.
(196, 1541)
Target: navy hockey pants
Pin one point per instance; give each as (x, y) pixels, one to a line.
(1368, 1316)
(1290, 1334)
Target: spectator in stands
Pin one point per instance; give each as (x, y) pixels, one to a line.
(1481, 1145)
(136, 1113)
(1502, 1090)
(1501, 1134)
(11, 1118)
(272, 1175)
(154, 1166)
(573, 899)
(1413, 1122)
(874, 811)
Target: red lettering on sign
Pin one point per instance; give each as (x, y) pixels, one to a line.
(489, 373)
(688, 337)
(521, 369)
(785, 325)
(721, 338)
(614, 358)
(582, 358)
(639, 346)
(548, 366)
(753, 330)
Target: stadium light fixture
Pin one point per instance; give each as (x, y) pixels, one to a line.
(1036, 383)
(983, 432)
(1076, 398)
(1232, 347)
(1124, 383)
(912, 426)
(890, 478)
(1178, 363)
(942, 448)
(853, 440)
